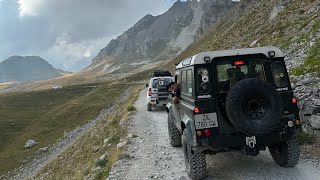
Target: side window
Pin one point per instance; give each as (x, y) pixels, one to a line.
(184, 82)
(155, 83)
(279, 74)
(189, 82)
(178, 77)
(203, 85)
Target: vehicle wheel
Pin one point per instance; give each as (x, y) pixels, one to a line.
(254, 107)
(195, 160)
(286, 153)
(149, 108)
(174, 133)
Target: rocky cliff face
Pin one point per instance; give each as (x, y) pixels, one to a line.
(161, 37)
(29, 68)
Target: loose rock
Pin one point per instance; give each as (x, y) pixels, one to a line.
(30, 143)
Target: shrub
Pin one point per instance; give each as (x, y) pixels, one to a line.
(305, 138)
(131, 108)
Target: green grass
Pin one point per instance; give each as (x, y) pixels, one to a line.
(305, 138)
(311, 63)
(45, 115)
(80, 159)
(131, 108)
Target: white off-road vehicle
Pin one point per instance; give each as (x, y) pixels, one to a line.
(158, 94)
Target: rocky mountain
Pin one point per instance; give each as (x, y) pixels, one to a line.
(157, 38)
(28, 68)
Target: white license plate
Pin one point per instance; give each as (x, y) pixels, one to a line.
(204, 121)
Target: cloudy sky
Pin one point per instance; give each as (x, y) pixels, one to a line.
(68, 33)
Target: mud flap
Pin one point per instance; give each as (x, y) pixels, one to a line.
(191, 129)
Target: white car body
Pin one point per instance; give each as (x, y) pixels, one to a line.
(157, 94)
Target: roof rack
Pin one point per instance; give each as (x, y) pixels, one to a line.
(161, 73)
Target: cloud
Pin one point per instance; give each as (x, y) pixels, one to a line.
(75, 54)
(66, 32)
(29, 7)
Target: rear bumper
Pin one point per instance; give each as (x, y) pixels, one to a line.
(157, 102)
(236, 141)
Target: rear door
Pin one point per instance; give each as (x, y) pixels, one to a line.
(229, 71)
(281, 83)
(159, 90)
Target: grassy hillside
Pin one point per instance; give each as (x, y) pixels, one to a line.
(81, 160)
(292, 30)
(45, 115)
(312, 62)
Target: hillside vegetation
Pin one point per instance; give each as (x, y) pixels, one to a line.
(292, 25)
(46, 115)
(83, 158)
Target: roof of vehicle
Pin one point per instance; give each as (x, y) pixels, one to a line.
(162, 77)
(161, 73)
(199, 58)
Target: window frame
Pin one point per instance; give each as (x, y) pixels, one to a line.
(185, 85)
(200, 80)
(284, 71)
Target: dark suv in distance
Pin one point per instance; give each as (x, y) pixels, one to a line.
(234, 100)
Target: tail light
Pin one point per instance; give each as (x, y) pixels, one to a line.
(237, 63)
(294, 100)
(196, 110)
(149, 92)
(207, 132)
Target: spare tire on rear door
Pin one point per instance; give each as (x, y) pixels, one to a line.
(254, 107)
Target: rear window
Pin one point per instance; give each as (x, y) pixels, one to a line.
(279, 74)
(161, 83)
(230, 72)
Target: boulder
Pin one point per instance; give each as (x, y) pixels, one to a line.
(254, 43)
(104, 156)
(30, 143)
(122, 144)
(315, 121)
(45, 149)
(308, 90)
(311, 109)
(316, 102)
(310, 80)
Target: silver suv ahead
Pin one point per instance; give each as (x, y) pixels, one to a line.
(158, 94)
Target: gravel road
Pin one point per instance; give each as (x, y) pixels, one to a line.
(150, 156)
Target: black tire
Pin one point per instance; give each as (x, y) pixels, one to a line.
(149, 108)
(254, 107)
(195, 160)
(174, 133)
(286, 153)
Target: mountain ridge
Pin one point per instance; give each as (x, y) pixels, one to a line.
(158, 38)
(27, 68)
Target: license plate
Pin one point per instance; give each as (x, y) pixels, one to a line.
(204, 121)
